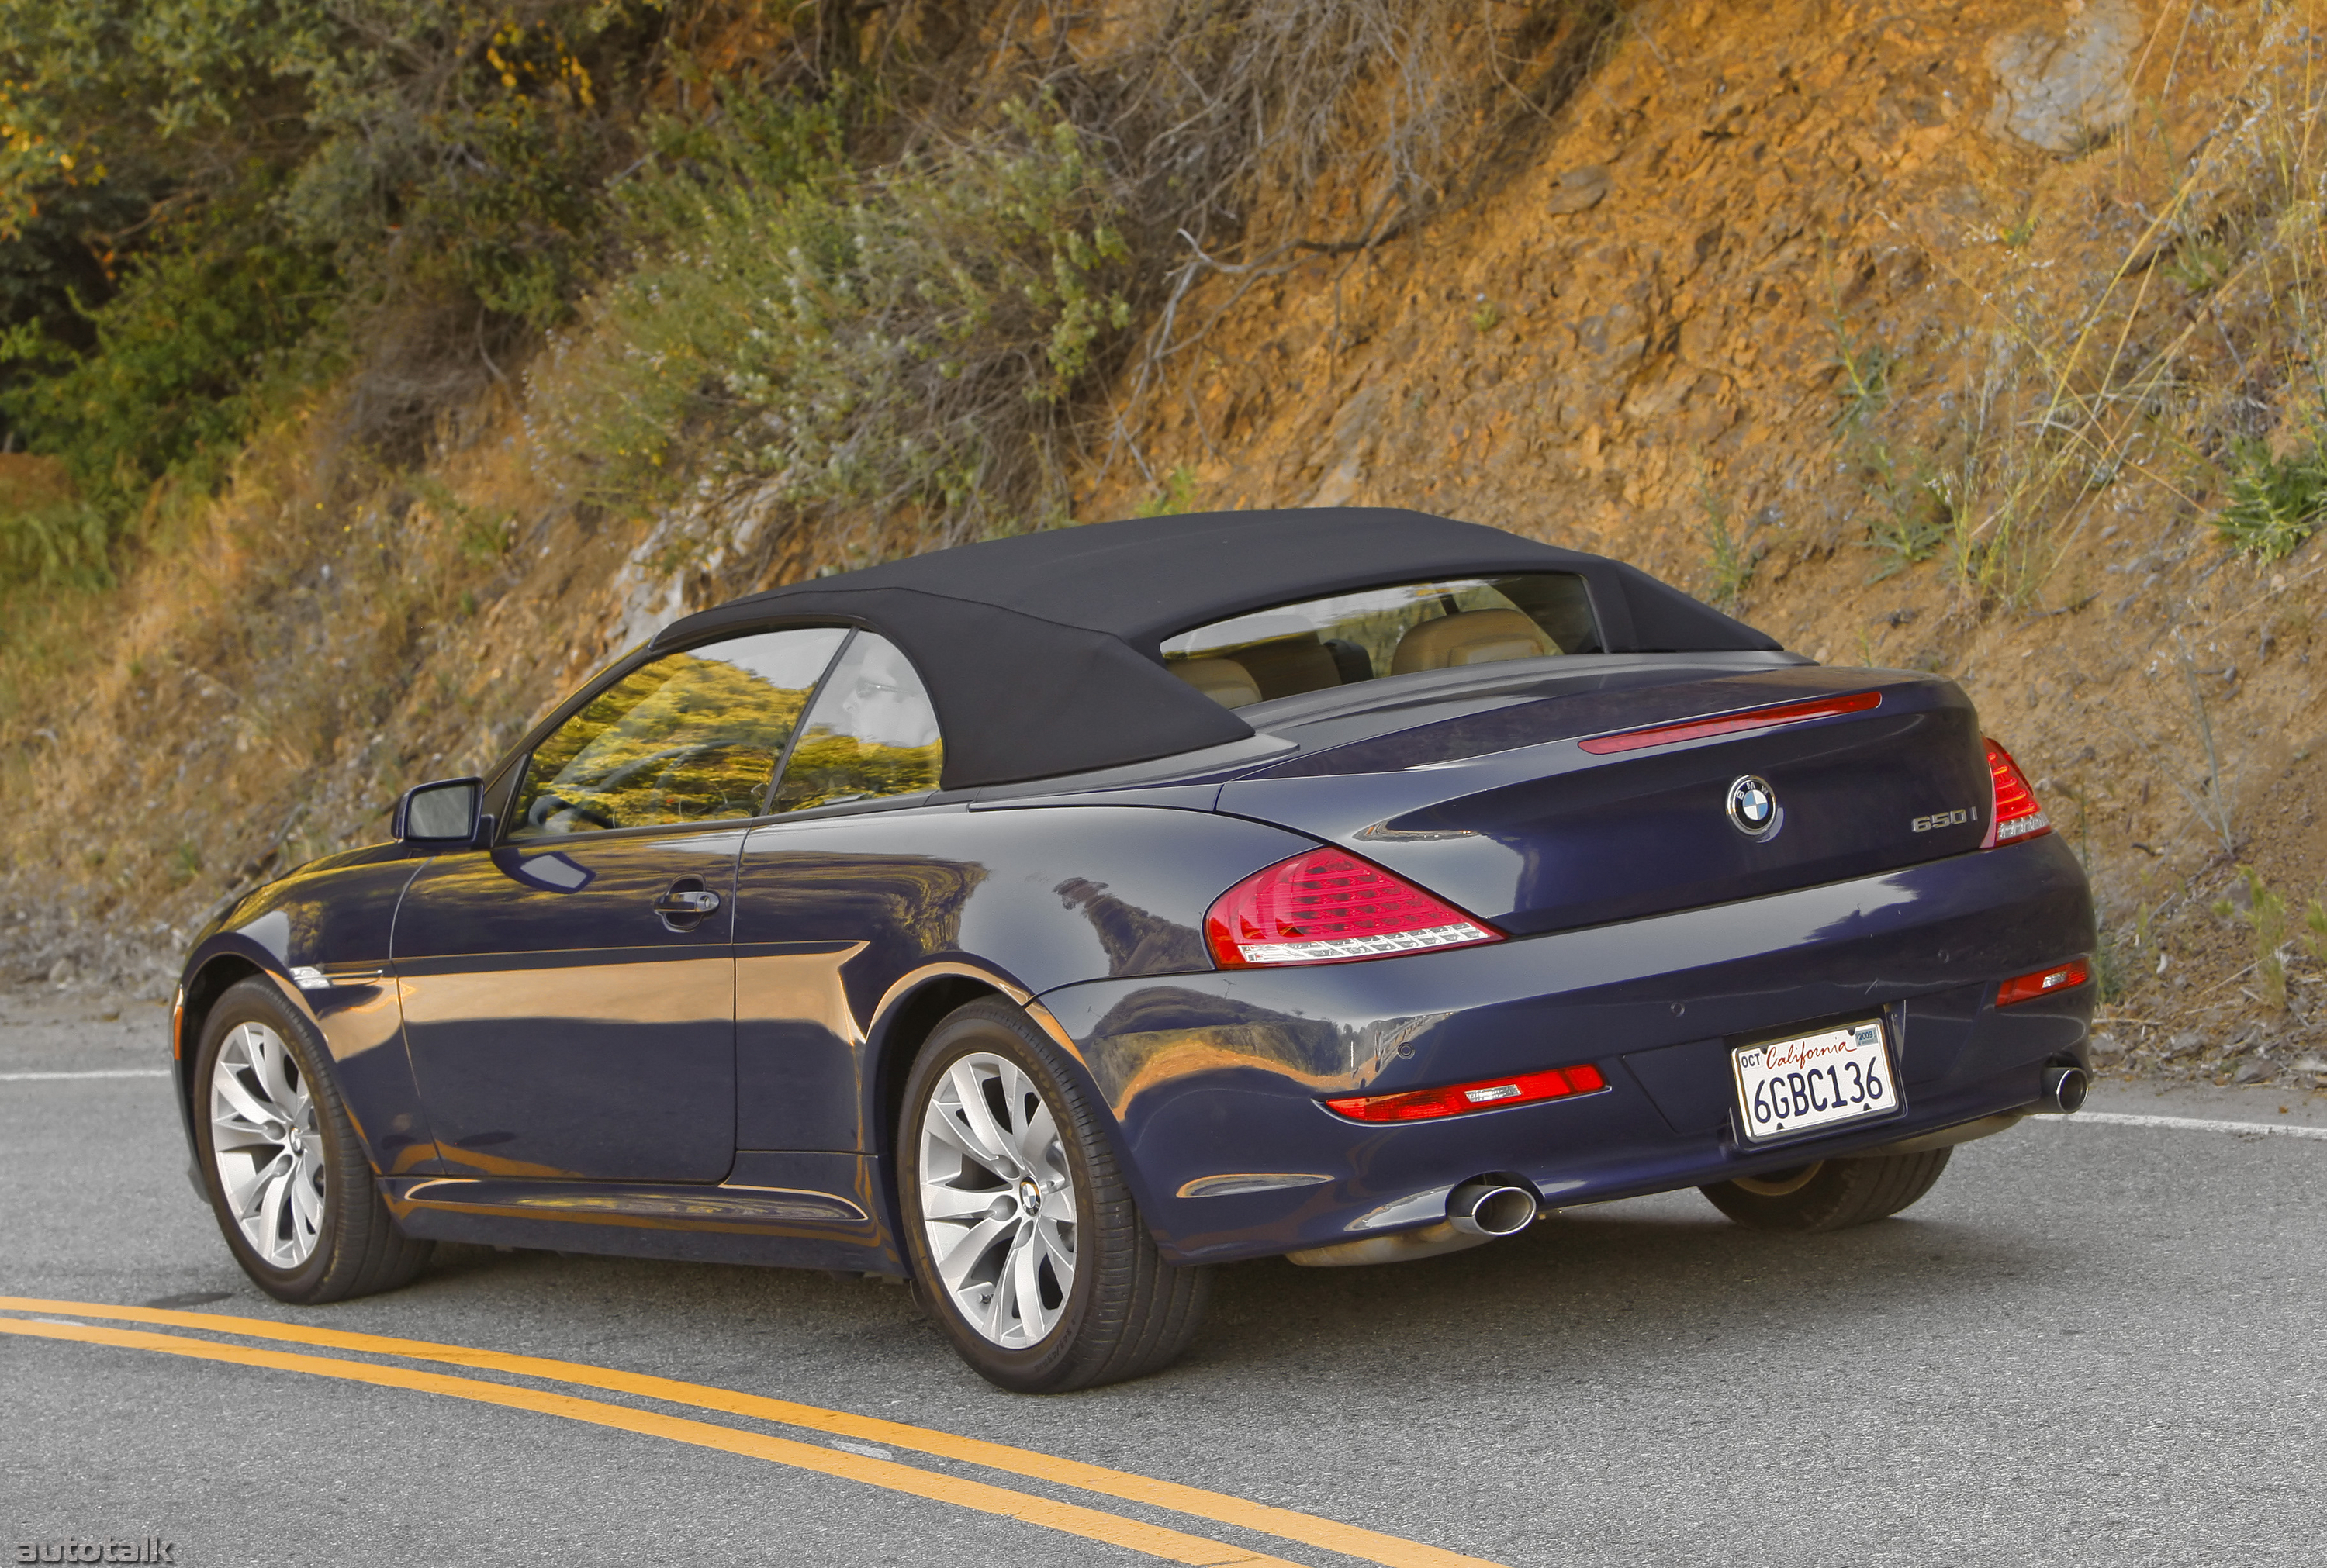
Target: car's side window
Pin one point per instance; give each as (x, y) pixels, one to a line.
(691, 737)
(872, 734)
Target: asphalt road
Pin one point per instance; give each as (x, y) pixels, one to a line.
(2099, 1343)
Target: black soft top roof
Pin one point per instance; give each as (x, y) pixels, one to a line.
(1043, 652)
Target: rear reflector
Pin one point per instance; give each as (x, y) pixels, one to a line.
(1328, 906)
(2017, 813)
(1461, 1099)
(2043, 983)
(1730, 724)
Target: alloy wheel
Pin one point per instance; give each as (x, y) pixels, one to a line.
(266, 1145)
(997, 1201)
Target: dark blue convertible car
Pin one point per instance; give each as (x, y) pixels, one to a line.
(1046, 919)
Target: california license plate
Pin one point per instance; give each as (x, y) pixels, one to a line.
(1839, 1075)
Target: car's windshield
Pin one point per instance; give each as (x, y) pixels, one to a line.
(1441, 624)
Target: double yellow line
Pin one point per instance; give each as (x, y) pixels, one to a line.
(1092, 1523)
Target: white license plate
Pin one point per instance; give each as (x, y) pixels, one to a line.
(1786, 1086)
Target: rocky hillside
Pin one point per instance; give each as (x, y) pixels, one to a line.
(1969, 337)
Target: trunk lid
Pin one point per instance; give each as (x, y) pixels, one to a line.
(1547, 814)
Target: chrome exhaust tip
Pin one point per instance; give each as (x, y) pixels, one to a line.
(1490, 1205)
(2064, 1089)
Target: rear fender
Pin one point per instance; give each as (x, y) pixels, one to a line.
(916, 1007)
(846, 924)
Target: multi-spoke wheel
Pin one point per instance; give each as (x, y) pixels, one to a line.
(997, 1201)
(265, 1145)
(286, 1174)
(1025, 1244)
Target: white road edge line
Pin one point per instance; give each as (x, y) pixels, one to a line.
(2189, 1124)
(111, 1072)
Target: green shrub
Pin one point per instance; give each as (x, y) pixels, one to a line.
(2275, 502)
(55, 544)
(2263, 914)
(1911, 516)
(1730, 559)
(1177, 496)
(200, 338)
(468, 149)
(899, 339)
(190, 192)
(187, 356)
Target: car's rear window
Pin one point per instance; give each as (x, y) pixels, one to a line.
(1441, 624)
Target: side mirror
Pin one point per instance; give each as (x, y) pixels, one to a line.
(443, 813)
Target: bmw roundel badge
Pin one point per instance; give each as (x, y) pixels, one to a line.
(1753, 807)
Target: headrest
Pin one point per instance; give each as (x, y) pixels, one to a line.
(1469, 636)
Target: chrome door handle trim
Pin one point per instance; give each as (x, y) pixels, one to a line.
(685, 901)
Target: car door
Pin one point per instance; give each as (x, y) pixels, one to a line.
(832, 905)
(569, 993)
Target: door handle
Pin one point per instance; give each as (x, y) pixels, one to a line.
(687, 903)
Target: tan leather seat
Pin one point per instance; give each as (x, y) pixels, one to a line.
(1470, 637)
(1224, 680)
(1289, 667)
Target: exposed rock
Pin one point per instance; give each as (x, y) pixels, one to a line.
(2065, 92)
(2252, 1070)
(60, 973)
(1578, 189)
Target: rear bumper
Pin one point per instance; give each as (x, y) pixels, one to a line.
(1215, 1079)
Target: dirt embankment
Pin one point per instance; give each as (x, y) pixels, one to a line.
(1930, 332)
(1933, 335)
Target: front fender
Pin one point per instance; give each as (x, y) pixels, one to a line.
(322, 936)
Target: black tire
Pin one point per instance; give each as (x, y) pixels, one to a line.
(1127, 1312)
(356, 1249)
(1831, 1194)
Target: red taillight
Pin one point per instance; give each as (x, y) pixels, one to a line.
(1461, 1099)
(2017, 814)
(2043, 983)
(1328, 906)
(1730, 724)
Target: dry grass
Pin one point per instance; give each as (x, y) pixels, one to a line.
(263, 681)
(2087, 395)
(1238, 124)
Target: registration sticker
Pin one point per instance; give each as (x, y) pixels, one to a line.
(1819, 1081)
